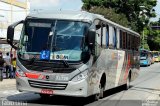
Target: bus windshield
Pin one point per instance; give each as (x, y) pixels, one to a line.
(143, 54)
(63, 40)
(155, 54)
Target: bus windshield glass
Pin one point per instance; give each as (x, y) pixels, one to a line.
(56, 39)
(143, 54)
(155, 54)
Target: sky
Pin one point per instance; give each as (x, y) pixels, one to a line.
(55, 4)
(69, 5)
(157, 8)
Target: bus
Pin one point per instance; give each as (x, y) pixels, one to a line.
(152, 57)
(145, 58)
(156, 56)
(74, 53)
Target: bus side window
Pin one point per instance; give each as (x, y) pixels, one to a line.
(104, 33)
(137, 44)
(107, 36)
(124, 40)
(111, 35)
(129, 42)
(118, 39)
(133, 44)
(114, 38)
(99, 35)
(121, 39)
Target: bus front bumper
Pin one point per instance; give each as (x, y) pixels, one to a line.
(75, 89)
(144, 62)
(156, 59)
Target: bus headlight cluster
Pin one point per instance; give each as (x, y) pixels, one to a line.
(19, 72)
(81, 76)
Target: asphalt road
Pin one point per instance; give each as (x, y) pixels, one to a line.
(144, 91)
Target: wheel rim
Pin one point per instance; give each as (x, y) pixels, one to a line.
(101, 91)
(100, 94)
(128, 82)
(97, 96)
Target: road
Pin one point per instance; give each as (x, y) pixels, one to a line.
(144, 91)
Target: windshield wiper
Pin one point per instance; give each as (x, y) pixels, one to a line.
(32, 60)
(65, 63)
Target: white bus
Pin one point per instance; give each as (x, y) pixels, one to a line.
(74, 53)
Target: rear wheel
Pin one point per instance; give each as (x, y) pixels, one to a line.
(1, 75)
(127, 86)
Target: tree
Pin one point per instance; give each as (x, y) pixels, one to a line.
(154, 39)
(110, 14)
(137, 12)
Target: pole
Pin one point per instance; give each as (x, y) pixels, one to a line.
(143, 38)
(26, 6)
(11, 11)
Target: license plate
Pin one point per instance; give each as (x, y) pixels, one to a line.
(47, 91)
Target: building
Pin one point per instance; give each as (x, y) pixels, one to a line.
(10, 12)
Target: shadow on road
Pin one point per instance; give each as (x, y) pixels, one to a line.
(32, 98)
(152, 89)
(144, 66)
(148, 90)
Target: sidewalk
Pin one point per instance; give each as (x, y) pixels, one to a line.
(7, 84)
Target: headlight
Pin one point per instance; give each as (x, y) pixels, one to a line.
(19, 72)
(81, 76)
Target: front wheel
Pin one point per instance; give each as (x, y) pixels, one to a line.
(101, 94)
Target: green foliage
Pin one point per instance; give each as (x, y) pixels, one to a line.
(110, 14)
(153, 36)
(137, 12)
(134, 14)
(154, 39)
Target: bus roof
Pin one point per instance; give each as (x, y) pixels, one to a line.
(155, 51)
(76, 15)
(144, 50)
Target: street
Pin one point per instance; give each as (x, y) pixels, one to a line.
(144, 91)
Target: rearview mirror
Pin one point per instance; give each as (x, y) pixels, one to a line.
(91, 40)
(10, 33)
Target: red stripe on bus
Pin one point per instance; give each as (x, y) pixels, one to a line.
(32, 75)
(17, 75)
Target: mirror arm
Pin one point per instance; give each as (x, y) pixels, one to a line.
(15, 47)
(10, 33)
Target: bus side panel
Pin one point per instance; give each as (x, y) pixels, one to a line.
(107, 63)
(128, 61)
(135, 65)
(122, 67)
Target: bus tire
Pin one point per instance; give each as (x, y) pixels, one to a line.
(127, 85)
(99, 95)
(101, 88)
(1, 75)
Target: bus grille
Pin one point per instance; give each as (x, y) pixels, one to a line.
(54, 70)
(54, 67)
(47, 85)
